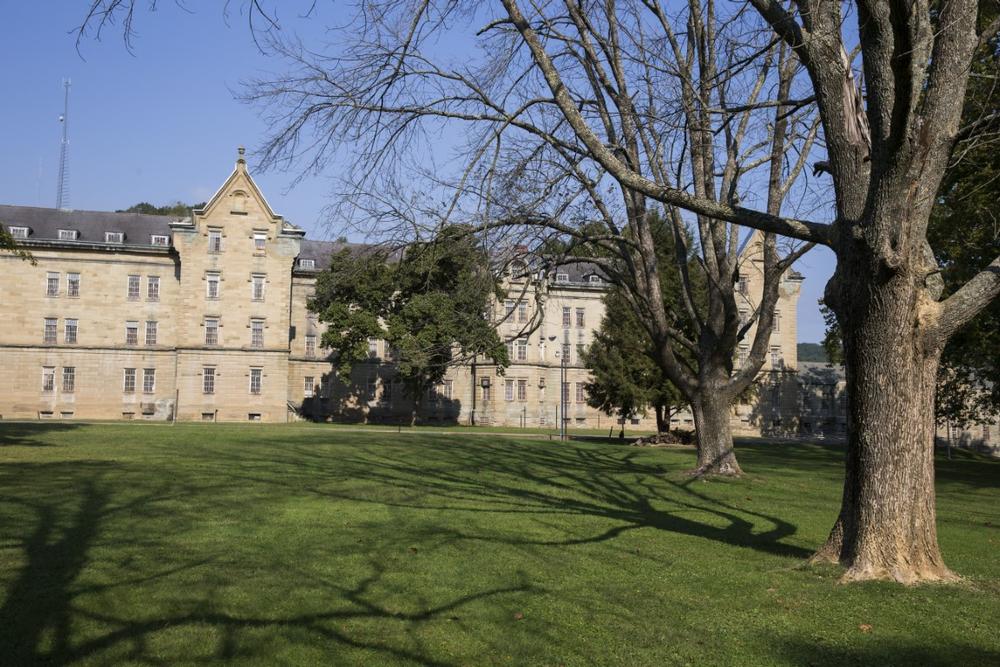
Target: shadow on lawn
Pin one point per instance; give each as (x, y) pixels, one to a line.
(883, 651)
(62, 585)
(531, 479)
(28, 434)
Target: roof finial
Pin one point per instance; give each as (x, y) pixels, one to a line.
(242, 151)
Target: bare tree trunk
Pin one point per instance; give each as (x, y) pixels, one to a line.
(662, 425)
(886, 528)
(716, 455)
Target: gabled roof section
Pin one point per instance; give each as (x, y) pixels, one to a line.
(240, 173)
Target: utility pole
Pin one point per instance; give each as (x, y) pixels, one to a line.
(62, 189)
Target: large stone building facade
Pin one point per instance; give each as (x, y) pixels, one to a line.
(131, 316)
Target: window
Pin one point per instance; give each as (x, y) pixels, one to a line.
(741, 359)
(307, 263)
(208, 416)
(73, 284)
(159, 239)
(49, 333)
(446, 389)
(68, 234)
(522, 390)
(148, 380)
(522, 311)
(150, 332)
(508, 311)
(69, 379)
(71, 328)
(256, 333)
(580, 318)
(308, 387)
(128, 381)
(567, 357)
(253, 416)
(131, 333)
(372, 348)
(133, 288)
(153, 288)
(255, 378)
(562, 277)
(114, 237)
(510, 349)
(487, 392)
(581, 392)
(18, 232)
(310, 345)
(259, 240)
(257, 287)
(212, 280)
(522, 349)
(52, 284)
(208, 380)
(776, 361)
(580, 347)
(743, 285)
(565, 393)
(594, 279)
(215, 240)
(986, 432)
(566, 316)
(777, 321)
(48, 379)
(211, 331)
(744, 317)
(508, 390)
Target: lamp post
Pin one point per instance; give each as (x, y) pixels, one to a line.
(563, 389)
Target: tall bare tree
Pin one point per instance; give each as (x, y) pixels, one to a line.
(887, 150)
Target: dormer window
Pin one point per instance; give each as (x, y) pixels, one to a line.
(19, 232)
(114, 237)
(517, 269)
(596, 280)
(159, 239)
(68, 234)
(562, 277)
(307, 263)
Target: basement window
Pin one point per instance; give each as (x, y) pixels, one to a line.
(253, 417)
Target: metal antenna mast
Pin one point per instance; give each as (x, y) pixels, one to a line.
(62, 191)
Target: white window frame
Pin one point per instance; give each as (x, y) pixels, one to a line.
(215, 240)
(18, 232)
(310, 343)
(257, 332)
(149, 380)
(128, 380)
(562, 277)
(208, 379)
(48, 379)
(71, 325)
(159, 240)
(256, 376)
(307, 263)
(50, 331)
(114, 237)
(581, 318)
(68, 379)
(211, 325)
(151, 328)
(259, 242)
(522, 349)
(52, 283)
(213, 278)
(134, 280)
(73, 292)
(508, 389)
(595, 280)
(132, 326)
(522, 389)
(257, 280)
(68, 234)
(567, 317)
(152, 288)
(308, 386)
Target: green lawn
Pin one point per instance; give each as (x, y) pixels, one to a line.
(297, 545)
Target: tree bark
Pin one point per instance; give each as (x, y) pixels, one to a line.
(716, 455)
(886, 528)
(662, 425)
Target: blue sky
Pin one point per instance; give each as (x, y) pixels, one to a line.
(161, 124)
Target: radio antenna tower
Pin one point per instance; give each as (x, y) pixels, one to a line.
(62, 191)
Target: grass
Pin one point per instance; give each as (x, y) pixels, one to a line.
(261, 545)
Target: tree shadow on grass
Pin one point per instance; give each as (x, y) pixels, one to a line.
(28, 434)
(871, 649)
(531, 479)
(58, 515)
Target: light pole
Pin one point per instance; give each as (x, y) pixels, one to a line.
(563, 389)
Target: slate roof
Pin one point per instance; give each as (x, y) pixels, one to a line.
(45, 223)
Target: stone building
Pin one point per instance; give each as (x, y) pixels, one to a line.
(131, 316)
